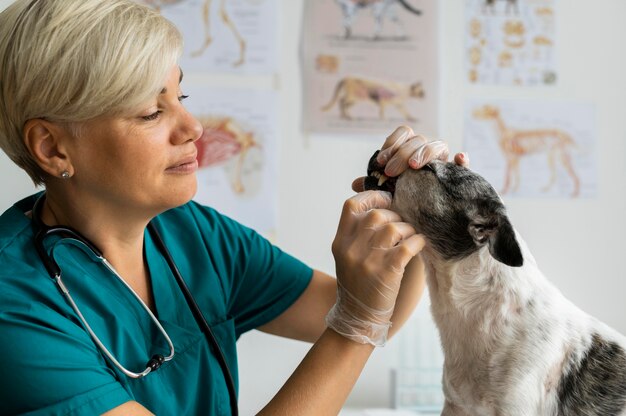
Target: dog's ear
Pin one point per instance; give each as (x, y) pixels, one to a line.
(498, 233)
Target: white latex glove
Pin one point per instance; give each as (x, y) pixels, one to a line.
(404, 149)
(371, 249)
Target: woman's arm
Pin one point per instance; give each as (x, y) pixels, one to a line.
(372, 250)
(321, 383)
(304, 320)
(129, 409)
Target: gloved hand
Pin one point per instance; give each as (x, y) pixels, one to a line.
(371, 249)
(404, 149)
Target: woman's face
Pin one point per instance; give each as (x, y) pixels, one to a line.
(145, 159)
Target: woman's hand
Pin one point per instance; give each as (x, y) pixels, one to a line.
(404, 149)
(371, 249)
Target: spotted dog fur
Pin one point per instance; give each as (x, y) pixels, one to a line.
(513, 345)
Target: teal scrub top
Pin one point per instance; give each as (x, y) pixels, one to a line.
(50, 366)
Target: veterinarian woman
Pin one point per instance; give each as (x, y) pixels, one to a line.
(90, 108)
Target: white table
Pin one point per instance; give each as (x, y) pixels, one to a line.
(381, 412)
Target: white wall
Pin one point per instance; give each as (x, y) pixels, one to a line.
(578, 244)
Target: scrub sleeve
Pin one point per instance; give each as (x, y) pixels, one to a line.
(49, 364)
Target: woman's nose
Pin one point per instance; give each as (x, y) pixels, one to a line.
(188, 128)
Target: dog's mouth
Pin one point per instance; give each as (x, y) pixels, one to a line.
(376, 179)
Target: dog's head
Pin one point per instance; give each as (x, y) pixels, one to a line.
(457, 210)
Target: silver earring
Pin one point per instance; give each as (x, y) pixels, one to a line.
(65, 175)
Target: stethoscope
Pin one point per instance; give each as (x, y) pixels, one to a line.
(75, 238)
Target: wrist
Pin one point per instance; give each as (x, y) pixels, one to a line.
(357, 329)
(343, 345)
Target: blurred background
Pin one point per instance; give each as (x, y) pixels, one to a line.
(578, 241)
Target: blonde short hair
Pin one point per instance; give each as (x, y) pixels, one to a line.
(70, 61)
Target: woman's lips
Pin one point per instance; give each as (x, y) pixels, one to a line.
(184, 166)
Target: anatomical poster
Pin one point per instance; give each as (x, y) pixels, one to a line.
(528, 148)
(370, 66)
(510, 42)
(237, 153)
(228, 36)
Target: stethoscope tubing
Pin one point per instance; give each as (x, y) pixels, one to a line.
(64, 232)
(199, 317)
(75, 238)
(96, 339)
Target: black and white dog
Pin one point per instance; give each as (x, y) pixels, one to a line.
(513, 345)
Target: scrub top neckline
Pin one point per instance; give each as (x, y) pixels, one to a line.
(165, 290)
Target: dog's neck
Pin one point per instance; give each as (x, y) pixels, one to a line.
(479, 293)
(481, 305)
(471, 301)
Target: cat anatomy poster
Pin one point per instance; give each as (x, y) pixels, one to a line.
(529, 148)
(370, 66)
(237, 153)
(229, 36)
(510, 42)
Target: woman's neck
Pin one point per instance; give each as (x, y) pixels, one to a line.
(111, 227)
(117, 233)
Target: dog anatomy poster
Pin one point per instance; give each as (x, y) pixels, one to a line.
(237, 153)
(510, 42)
(230, 36)
(533, 149)
(369, 66)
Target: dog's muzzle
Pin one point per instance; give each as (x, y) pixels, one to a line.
(376, 179)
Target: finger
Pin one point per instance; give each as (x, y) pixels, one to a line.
(430, 151)
(359, 204)
(393, 142)
(399, 161)
(375, 219)
(402, 253)
(389, 235)
(462, 159)
(358, 185)
(368, 200)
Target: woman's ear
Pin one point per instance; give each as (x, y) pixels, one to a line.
(46, 142)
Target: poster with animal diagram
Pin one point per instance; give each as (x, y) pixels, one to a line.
(230, 36)
(510, 42)
(533, 149)
(370, 66)
(237, 153)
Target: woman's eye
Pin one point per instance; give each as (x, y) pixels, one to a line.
(152, 116)
(156, 114)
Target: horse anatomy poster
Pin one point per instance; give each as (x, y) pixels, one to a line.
(228, 36)
(369, 66)
(237, 153)
(527, 148)
(510, 42)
